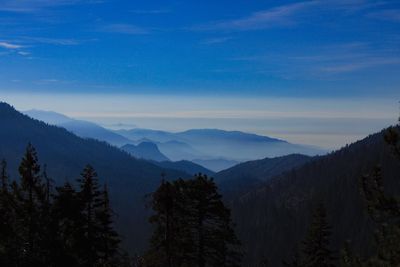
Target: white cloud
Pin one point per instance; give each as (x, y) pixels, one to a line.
(28, 6)
(217, 40)
(151, 11)
(10, 45)
(24, 53)
(286, 15)
(53, 41)
(326, 62)
(281, 15)
(388, 14)
(124, 29)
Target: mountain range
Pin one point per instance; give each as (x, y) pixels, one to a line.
(273, 217)
(249, 175)
(205, 144)
(81, 128)
(271, 199)
(129, 179)
(145, 150)
(212, 148)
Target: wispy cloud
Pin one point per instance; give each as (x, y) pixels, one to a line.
(286, 15)
(124, 29)
(328, 62)
(32, 5)
(216, 40)
(8, 45)
(53, 41)
(28, 6)
(359, 65)
(23, 53)
(281, 15)
(151, 11)
(387, 14)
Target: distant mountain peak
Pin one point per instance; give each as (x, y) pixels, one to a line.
(49, 117)
(81, 128)
(218, 133)
(5, 107)
(145, 150)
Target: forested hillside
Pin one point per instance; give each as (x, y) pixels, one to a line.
(145, 150)
(272, 220)
(185, 166)
(129, 180)
(248, 175)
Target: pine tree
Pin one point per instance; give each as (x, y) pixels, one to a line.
(215, 240)
(166, 244)
(316, 245)
(384, 210)
(30, 197)
(66, 226)
(109, 240)
(63, 228)
(193, 227)
(8, 236)
(90, 198)
(348, 259)
(48, 222)
(296, 261)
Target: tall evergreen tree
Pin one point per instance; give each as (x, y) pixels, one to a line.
(8, 235)
(166, 242)
(48, 222)
(90, 197)
(316, 245)
(30, 197)
(384, 210)
(66, 226)
(296, 261)
(215, 240)
(61, 228)
(108, 240)
(193, 227)
(348, 259)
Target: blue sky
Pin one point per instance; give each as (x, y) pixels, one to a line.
(338, 52)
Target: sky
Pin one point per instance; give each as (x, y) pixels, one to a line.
(323, 73)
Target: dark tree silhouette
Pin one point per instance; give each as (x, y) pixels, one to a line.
(348, 259)
(168, 244)
(90, 197)
(108, 238)
(8, 235)
(192, 226)
(316, 251)
(295, 261)
(30, 200)
(40, 226)
(384, 210)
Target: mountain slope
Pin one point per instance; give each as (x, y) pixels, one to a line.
(216, 164)
(273, 219)
(145, 150)
(252, 173)
(81, 128)
(154, 135)
(128, 179)
(214, 143)
(185, 166)
(49, 117)
(176, 150)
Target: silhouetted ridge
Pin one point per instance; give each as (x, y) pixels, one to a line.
(250, 174)
(277, 214)
(145, 150)
(65, 154)
(186, 166)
